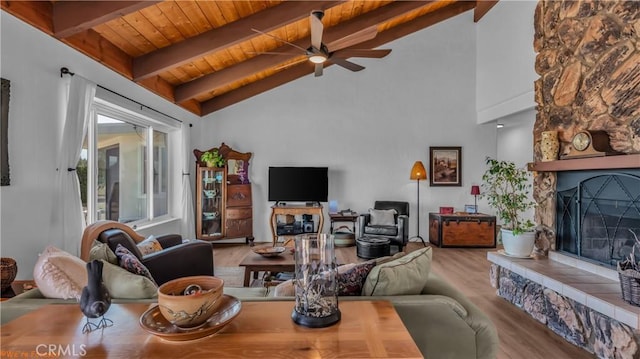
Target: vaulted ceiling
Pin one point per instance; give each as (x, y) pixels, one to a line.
(207, 55)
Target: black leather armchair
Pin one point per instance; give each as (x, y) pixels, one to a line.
(176, 260)
(398, 234)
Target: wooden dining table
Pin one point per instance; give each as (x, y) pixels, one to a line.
(367, 329)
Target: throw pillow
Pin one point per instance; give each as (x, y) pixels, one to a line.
(131, 263)
(402, 276)
(59, 274)
(123, 284)
(382, 217)
(352, 281)
(149, 245)
(100, 251)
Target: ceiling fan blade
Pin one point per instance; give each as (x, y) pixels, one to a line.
(279, 39)
(376, 54)
(346, 64)
(318, 71)
(269, 53)
(355, 38)
(316, 28)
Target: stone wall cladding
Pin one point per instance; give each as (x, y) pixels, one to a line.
(588, 59)
(576, 323)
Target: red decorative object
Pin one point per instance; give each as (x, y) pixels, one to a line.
(446, 210)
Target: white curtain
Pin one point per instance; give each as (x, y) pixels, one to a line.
(67, 209)
(187, 224)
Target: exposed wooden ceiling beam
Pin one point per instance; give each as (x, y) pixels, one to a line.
(482, 7)
(35, 13)
(259, 63)
(298, 71)
(71, 17)
(256, 88)
(218, 39)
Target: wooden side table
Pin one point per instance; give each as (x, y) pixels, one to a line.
(337, 217)
(17, 287)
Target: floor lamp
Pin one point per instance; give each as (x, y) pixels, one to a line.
(418, 173)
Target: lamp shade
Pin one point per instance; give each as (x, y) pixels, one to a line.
(418, 172)
(475, 190)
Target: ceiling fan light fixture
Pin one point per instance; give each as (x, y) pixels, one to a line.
(317, 58)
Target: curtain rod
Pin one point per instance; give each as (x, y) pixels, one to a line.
(65, 71)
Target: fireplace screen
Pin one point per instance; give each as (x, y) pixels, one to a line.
(595, 214)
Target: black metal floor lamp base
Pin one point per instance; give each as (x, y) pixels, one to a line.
(421, 239)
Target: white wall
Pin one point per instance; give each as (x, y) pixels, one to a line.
(31, 60)
(367, 127)
(505, 60)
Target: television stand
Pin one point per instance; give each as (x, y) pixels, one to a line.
(279, 209)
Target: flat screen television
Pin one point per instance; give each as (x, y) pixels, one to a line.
(298, 184)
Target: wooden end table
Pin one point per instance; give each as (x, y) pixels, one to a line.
(368, 329)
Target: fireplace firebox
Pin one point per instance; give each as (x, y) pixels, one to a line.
(596, 212)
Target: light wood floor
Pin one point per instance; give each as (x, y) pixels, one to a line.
(467, 270)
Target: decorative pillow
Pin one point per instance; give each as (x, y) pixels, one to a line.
(131, 263)
(100, 251)
(382, 217)
(285, 289)
(123, 284)
(352, 281)
(149, 245)
(59, 274)
(405, 275)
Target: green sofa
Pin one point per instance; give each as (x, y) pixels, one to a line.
(441, 320)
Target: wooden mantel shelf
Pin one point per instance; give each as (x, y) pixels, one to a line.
(591, 163)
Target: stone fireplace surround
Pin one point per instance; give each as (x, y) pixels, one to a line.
(588, 59)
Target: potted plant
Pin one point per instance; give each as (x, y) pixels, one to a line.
(506, 188)
(212, 159)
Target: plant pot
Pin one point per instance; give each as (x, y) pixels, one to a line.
(520, 245)
(211, 164)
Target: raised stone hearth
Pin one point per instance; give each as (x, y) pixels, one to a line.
(582, 304)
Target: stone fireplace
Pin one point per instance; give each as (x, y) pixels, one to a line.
(588, 59)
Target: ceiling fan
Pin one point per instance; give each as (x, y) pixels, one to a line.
(335, 52)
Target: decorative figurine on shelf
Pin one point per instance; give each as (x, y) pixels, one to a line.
(95, 299)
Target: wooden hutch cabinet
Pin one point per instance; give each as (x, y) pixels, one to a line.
(223, 197)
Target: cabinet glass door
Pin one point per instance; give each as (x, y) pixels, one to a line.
(211, 201)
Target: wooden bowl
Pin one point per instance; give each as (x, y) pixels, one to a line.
(190, 310)
(269, 251)
(8, 271)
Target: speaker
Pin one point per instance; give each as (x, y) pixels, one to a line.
(307, 227)
(307, 218)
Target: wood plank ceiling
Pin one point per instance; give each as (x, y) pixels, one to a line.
(205, 55)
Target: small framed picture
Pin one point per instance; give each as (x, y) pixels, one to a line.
(446, 166)
(446, 210)
(470, 208)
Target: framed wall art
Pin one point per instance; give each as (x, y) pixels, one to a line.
(446, 166)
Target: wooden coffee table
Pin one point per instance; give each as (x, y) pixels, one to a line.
(368, 329)
(255, 263)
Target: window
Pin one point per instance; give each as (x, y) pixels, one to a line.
(124, 166)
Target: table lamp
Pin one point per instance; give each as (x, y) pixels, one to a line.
(418, 173)
(475, 191)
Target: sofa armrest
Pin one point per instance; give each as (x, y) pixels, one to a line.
(486, 334)
(169, 240)
(169, 264)
(363, 220)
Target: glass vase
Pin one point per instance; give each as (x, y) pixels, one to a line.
(316, 286)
